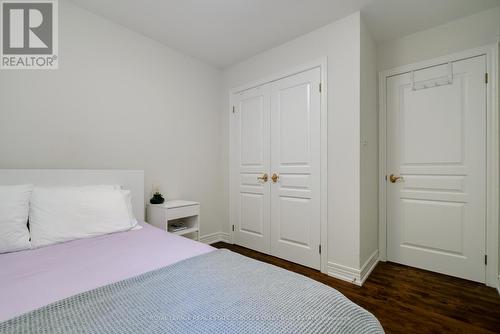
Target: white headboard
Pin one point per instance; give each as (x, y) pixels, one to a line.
(132, 180)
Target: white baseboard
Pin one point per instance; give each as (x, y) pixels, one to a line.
(498, 284)
(353, 275)
(215, 237)
(344, 273)
(369, 265)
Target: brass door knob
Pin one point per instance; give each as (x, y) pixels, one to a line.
(393, 178)
(275, 177)
(264, 177)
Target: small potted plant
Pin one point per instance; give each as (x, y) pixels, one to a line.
(157, 197)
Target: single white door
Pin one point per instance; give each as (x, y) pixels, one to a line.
(251, 200)
(436, 151)
(295, 168)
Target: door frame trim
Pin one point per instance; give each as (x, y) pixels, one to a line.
(492, 152)
(322, 64)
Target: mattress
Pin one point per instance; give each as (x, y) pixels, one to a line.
(34, 278)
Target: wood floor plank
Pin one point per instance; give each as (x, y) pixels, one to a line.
(410, 300)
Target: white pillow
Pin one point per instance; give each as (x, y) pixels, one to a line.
(61, 214)
(14, 207)
(128, 200)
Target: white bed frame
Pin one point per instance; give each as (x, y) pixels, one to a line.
(132, 180)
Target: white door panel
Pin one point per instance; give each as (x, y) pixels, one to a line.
(251, 125)
(295, 157)
(436, 126)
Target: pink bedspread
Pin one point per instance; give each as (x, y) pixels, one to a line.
(34, 278)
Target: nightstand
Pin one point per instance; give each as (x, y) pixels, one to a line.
(170, 212)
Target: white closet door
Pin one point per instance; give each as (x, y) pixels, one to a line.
(252, 144)
(295, 159)
(436, 149)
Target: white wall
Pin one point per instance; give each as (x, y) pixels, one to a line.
(466, 33)
(121, 101)
(369, 149)
(340, 42)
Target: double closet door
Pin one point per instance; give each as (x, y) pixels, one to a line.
(276, 168)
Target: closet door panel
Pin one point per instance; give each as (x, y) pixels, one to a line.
(251, 195)
(295, 160)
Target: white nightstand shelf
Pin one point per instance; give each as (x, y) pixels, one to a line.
(163, 215)
(187, 231)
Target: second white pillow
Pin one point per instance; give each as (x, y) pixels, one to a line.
(14, 202)
(59, 214)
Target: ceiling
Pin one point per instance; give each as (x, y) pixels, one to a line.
(223, 32)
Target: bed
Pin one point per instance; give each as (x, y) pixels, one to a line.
(150, 281)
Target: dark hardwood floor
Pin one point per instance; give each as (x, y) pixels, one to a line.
(410, 300)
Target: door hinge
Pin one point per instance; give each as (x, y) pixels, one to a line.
(486, 260)
(320, 87)
(234, 109)
(319, 249)
(233, 228)
(486, 78)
